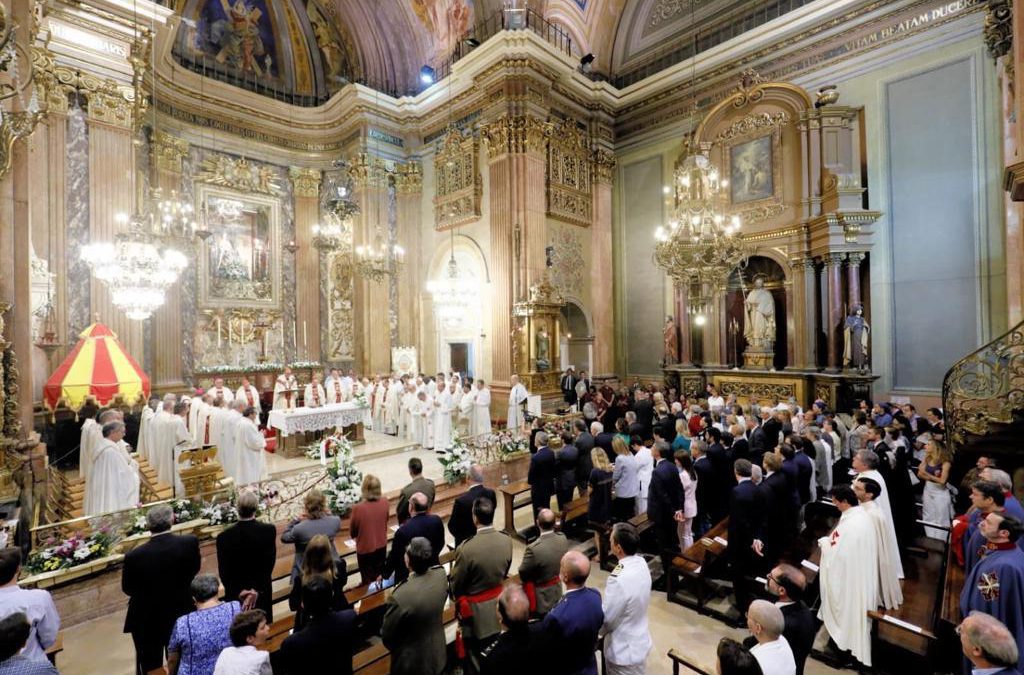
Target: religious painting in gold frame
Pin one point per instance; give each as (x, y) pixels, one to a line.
(752, 161)
(240, 262)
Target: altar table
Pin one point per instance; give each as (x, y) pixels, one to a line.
(303, 422)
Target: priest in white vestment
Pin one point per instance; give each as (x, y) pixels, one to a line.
(333, 387)
(393, 405)
(195, 410)
(286, 390)
(182, 442)
(481, 422)
(379, 391)
(420, 415)
(365, 388)
(466, 409)
(865, 463)
(849, 576)
(348, 384)
(441, 418)
(250, 394)
(146, 430)
(408, 401)
(204, 422)
(517, 396)
(890, 594)
(250, 444)
(314, 395)
(227, 428)
(218, 389)
(91, 440)
(114, 482)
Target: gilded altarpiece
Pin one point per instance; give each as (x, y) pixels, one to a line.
(536, 338)
(752, 161)
(459, 186)
(569, 193)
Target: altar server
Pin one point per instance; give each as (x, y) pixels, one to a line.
(517, 396)
(380, 390)
(481, 423)
(218, 389)
(466, 409)
(407, 419)
(333, 387)
(420, 414)
(441, 420)
(114, 483)
(250, 394)
(250, 443)
(849, 576)
(227, 428)
(285, 390)
(314, 396)
(890, 594)
(392, 404)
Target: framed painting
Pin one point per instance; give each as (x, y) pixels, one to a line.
(752, 161)
(751, 170)
(240, 262)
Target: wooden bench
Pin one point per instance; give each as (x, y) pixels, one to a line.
(572, 512)
(603, 532)
(680, 661)
(56, 648)
(693, 566)
(510, 499)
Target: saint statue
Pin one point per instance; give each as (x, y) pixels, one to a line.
(671, 341)
(543, 350)
(855, 339)
(760, 316)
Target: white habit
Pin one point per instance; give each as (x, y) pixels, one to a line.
(335, 392)
(890, 595)
(227, 452)
(379, 391)
(285, 392)
(250, 444)
(195, 413)
(222, 392)
(481, 422)
(114, 482)
(441, 420)
(516, 397)
(849, 582)
(883, 504)
(393, 407)
(466, 411)
(145, 432)
(92, 435)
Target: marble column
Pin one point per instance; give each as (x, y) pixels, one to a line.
(409, 186)
(833, 270)
(306, 191)
(682, 297)
(805, 285)
(602, 303)
(167, 155)
(853, 280)
(713, 329)
(516, 152)
(372, 325)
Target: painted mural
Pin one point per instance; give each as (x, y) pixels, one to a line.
(446, 21)
(238, 34)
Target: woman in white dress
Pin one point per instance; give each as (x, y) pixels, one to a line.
(685, 465)
(934, 471)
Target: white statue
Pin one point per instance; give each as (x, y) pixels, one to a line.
(760, 315)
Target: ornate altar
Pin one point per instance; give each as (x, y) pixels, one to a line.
(536, 338)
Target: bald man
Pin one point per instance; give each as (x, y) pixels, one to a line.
(988, 645)
(515, 651)
(539, 570)
(772, 651)
(421, 524)
(571, 629)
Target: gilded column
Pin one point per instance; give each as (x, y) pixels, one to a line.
(306, 188)
(409, 186)
(833, 267)
(372, 327)
(168, 152)
(601, 275)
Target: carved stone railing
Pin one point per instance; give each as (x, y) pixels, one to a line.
(985, 388)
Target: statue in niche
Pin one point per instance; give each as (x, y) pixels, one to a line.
(855, 339)
(543, 350)
(671, 341)
(760, 316)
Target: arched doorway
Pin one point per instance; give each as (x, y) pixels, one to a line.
(740, 283)
(459, 334)
(577, 349)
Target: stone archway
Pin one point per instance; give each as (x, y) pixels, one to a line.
(740, 283)
(577, 349)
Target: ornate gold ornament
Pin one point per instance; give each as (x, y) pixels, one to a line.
(237, 174)
(515, 134)
(569, 187)
(409, 178)
(340, 305)
(758, 390)
(168, 151)
(14, 59)
(998, 31)
(305, 182)
(459, 186)
(752, 124)
(604, 166)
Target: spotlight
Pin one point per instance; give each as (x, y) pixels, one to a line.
(427, 75)
(586, 63)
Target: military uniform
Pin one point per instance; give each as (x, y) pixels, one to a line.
(418, 484)
(413, 627)
(627, 639)
(539, 571)
(481, 565)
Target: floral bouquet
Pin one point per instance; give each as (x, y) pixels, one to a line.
(455, 459)
(220, 514)
(360, 400)
(510, 444)
(184, 511)
(344, 481)
(330, 446)
(72, 552)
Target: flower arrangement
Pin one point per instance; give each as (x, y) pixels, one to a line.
(221, 513)
(305, 365)
(72, 552)
(184, 511)
(360, 400)
(225, 369)
(510, 445)
(344, 480)
(329, 447)
(455, 459)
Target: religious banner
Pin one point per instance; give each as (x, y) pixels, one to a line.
(403, 360)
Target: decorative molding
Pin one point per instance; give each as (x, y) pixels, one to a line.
(604, 166)
(458, 186)
(168, 151)
(567, 262)
(341, 303)
(366, 171)
(998, 31)
(108, 101)
(1013, 181)
(758, 390)
(753, 123)
(511, 134)
(238, 174)
(305, 182)
(568, 179)
(759, 214)
(856, 258)
(409, 178)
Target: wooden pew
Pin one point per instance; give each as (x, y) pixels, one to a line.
(56, 648)
(680, 661)
(693, 565)
(572, 512)
(603, 532)
(510, 499)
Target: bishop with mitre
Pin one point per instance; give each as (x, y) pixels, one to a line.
(286, 389)
(113, 484)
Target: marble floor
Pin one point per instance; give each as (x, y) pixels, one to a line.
(99, 646)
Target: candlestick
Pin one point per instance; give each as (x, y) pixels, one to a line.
(305, 341)
(218, 332)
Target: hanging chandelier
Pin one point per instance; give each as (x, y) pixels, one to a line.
(328, 236)
(137, 267)
(700, 247)
(453, 294)
(379, 260)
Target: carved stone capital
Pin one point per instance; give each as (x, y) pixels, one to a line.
(515, 134)
(305, 182)
(409, 178)
(807, 264)
(366, 171)
(835, 259)
(856, 258)
(998, 30)
(168, 152)
(604, 166)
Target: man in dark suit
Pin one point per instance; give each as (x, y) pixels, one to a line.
(644, 409)
(326, 642)
(706, 493)
(246, 553)
(568, 386)
(745, 545)
(157, 578)
(988, 645)
(541, 475)
(461, 522)
(804, 469)
(634, 428)
(780, 512)
(757, 440)
(603, 439)
(665, 501)
(791, 471)
(421, 524)
(417, 484)
(571, 629)
(584, 465)
(772, 428)
(787, 583)
(724, 480)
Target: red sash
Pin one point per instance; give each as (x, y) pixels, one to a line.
(530, 588)
(316, 395)
(248, 396)
(206, 434)
(464, 610)
(337, 391)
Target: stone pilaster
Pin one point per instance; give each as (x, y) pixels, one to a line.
(372, 329)
(602, 298)
(409, 188)
(306, 191)
(833, 271)
(805, 284)
(167, 154)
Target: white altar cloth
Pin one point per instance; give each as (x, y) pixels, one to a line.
(301, 420)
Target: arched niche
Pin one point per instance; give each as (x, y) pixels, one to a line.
(458, 338)
(577, 337)
(777, 283)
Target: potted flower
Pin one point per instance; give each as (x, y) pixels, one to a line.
(329, 447)
(456, 460)
(344, 481)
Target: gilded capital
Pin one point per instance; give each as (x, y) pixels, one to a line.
(998, 30)
(515, 134)
(604, 166)
(168, 152)
(409, 178)
(305, 182)
(835, 259)
(366, 171)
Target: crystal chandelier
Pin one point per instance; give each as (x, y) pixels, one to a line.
(379, 260)
(329, 235)
(700, 247)
(137, 267)
(455, 293)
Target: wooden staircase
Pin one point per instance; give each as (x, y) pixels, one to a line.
(65, 495)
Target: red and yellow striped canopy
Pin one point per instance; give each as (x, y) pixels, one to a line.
(98, 366)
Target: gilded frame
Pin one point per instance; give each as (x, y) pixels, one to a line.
(753, 128)
(248, 293)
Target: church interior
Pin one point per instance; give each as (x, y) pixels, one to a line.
(276, 247)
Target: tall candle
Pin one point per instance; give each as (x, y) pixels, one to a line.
(218, 332)
(305, 341)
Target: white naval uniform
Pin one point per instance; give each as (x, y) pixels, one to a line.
(627, 638)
